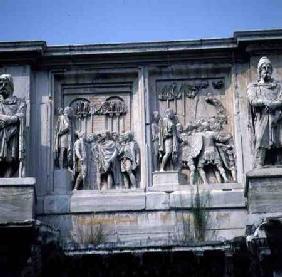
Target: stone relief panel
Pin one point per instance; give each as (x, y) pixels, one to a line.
(93, 139)
(190, 131)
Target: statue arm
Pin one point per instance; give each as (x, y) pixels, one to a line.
(9, 119)
(77, 152)
(137, 154)
(113, 156)
(254, 100)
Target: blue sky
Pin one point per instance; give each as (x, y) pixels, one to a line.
(109, 21)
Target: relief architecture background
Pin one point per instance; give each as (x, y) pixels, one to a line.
(144, 145)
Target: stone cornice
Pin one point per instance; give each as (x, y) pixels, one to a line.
(223, 48)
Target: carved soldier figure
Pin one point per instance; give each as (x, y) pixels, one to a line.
(80, 164)
(12, 124)
(265, 99)
(155, 127)
(190, 149)
(129, 155)
(63, 137)
(107, 152)
(209, 154)
(168, 139)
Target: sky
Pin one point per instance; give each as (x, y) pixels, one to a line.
(112, 21)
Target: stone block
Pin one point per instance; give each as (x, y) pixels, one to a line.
(98, 201)
(209, 199)
(56, 204)
(166, 180)
(264, 190)
(157, 201)
(17, 199)
(62, 181)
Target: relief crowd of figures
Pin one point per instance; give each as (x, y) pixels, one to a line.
(104, 160)
(202, 146)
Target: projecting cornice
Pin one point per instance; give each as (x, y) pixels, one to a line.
(241, 43)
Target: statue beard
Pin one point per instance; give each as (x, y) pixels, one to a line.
(266, 76)
(5, 93)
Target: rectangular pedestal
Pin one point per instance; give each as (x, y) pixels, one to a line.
(264, 190)
(16, 200)
(166, 181)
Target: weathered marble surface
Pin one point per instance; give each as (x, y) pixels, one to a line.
(17, 200)
(91, 201)
(264, 190)
(154, 228)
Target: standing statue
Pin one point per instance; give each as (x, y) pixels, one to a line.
(168, 139)
(63, 138)
(79, 160)
(130, 158)
(108, 164)
(155, 128)
(12, 124)
(265, 100)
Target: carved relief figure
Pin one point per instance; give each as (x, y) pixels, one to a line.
(80, 164)
(209, 154)
(265, 100)
(155, 127)
(168, 139)
(130, 157)
(12, 124)
(63, 138)
(91, 162)
(108, 164)
(189, 151)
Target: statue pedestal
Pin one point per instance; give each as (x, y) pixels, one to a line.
(264, 190)
(167, 181)
(62, 181)
(17, 197)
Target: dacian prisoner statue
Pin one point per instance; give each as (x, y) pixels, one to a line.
(265, 100)
(12, 124)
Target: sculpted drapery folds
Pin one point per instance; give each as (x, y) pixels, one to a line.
(12, 124)
(64, 138)
(265, 100)
(168, 139)
(108, 163)
(79, 160)
(130, 159)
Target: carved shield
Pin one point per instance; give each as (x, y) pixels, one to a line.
(196, 143)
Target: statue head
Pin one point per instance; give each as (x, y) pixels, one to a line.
(156, 116)
(81, 134)
(68, 111)
(169, 113)
(264, 70)
(115, 136)
(6, 85)
(92, 137)
(108, 135)
(129, 136)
